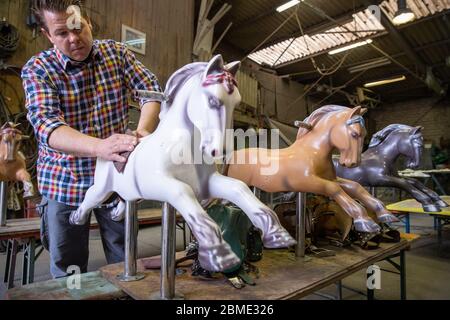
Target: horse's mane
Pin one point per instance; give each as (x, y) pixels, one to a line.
(381, 135)
(317, 115)
(177, 80)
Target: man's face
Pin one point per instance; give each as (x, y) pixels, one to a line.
(74, 43)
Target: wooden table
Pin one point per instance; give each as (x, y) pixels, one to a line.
(412, 206)
(282, 276)
(27, 231)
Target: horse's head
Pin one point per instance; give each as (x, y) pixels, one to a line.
(10, 138)
(212, 111)
(348, 136)
(410, 144)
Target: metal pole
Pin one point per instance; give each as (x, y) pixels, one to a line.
(301, 224)
(3, 202)
(168, 235)
(373, 192)
(131, 228)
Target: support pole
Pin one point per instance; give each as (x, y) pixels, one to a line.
(131, 228)
(3, 202)
(168, 243)
(301, 225)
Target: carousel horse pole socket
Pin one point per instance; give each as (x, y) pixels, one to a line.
(378, 164)
(176, 164)
(307, 166)
(12, 161)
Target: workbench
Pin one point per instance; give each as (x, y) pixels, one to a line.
(404, 208)
(26, 233)
(282, 276)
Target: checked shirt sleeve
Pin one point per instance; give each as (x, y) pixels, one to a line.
(42, 102)
(138, 77)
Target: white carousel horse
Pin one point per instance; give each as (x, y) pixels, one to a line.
(200, 99)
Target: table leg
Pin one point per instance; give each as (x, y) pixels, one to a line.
(407, 223)
(402, 275)
(28, 262)
(11, 258)
(339, 290)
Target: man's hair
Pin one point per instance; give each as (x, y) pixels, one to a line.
(39, 6)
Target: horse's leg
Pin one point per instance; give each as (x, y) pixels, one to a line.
(401, 183)
(356, 191)
(24, 176)
(274, 235)
(433, 195)
(214, 253)
(362, 221)
(94, 197)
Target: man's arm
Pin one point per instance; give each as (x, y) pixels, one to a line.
(68, 140)
(138, 77)
(149, 118)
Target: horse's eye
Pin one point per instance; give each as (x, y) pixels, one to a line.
(214, 102)
(355, 135)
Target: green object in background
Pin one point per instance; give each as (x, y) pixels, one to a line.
(238, 232)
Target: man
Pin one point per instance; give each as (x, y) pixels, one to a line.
(76, 96)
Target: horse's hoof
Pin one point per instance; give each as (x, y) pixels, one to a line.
(77, 219)
(431, 208)
(278, 239)
(369, 226)
(387, 218)
(118, 213)
(442, 204)
(217, 258)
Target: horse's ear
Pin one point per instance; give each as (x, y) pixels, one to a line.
(356, 111)
(363, 111)
(417, 130)
(233, 67)
(214, 66)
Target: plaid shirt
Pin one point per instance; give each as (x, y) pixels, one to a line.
(91, 97)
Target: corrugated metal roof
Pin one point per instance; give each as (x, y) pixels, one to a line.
(296, 48)
(300, 47)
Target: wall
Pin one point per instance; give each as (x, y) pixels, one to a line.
(279, 98)
(432, 114)
(168, 24)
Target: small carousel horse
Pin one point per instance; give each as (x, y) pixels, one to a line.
(377, 168)
(200, 99)
(307, 166)
(12, 161)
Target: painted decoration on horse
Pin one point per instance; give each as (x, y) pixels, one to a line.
(12, 161)
(198, 103)
(378, 169)
(307, 166)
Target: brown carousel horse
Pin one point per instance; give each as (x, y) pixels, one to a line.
(12, 162)
(307, 166)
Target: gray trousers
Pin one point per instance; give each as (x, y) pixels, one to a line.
(68, 244)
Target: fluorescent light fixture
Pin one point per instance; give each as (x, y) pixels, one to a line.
(288, 5)
(354, 45)
(383, 82)
(369, 65)
(403, 14)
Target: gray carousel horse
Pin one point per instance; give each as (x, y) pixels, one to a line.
(377, 167)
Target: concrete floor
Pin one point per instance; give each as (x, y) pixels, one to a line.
(428, 267)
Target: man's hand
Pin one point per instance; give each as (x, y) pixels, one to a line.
(110, 148)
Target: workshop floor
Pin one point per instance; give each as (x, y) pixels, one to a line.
(428, 266)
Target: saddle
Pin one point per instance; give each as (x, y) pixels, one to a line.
(120, 166)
